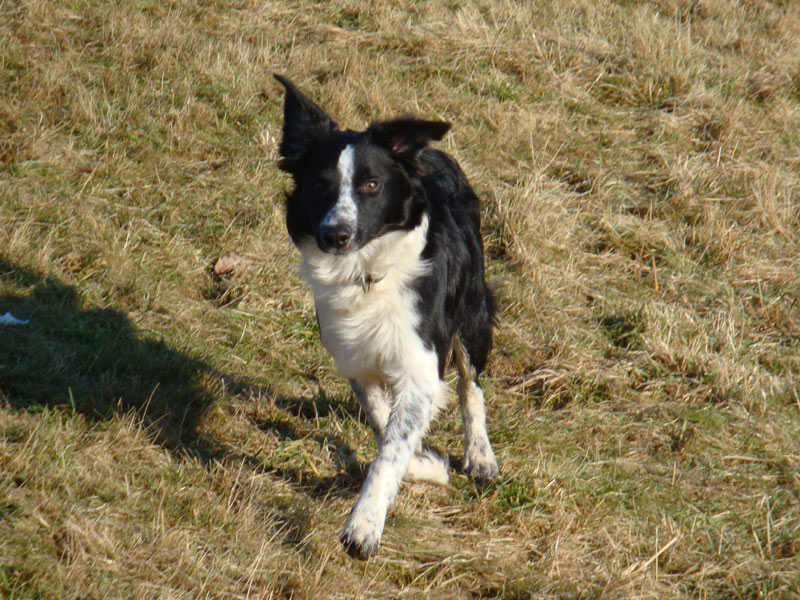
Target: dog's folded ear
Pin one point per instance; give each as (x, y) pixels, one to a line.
(405, 137)
(303, 123)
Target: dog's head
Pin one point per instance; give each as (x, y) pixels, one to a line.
(351, 186)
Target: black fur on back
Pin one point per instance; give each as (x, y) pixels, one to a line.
(455, 294)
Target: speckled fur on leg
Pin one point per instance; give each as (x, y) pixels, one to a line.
(426, 464)
(414, 395)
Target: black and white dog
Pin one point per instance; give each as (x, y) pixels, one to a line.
(389, 233)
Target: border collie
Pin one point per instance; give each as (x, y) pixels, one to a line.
(389, 234)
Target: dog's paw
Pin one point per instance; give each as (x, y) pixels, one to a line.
(361, 538)
(428, 465)
(481, 465)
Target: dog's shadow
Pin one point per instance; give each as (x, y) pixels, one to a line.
(95, 362)
(91, 360)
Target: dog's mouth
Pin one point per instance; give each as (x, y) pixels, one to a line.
(339, 251)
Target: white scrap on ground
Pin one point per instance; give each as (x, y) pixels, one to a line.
(9, 319)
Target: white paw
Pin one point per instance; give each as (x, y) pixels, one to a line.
(361, 536)
(428, 466)
(480, 462)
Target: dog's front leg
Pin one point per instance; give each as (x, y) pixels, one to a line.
(408, 421)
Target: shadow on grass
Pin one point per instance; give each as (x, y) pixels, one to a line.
(297, 419)
(93, 361)
(295, 422)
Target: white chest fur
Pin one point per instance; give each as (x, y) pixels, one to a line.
(370, 329)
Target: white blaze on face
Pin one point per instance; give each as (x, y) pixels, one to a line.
(345, 210)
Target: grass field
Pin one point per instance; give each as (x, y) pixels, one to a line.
(170, 431)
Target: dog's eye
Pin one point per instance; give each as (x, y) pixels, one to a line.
(369, 186)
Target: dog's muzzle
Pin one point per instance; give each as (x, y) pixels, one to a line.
(336, 238)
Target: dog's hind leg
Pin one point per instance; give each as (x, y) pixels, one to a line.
(479, 458)
(425, 464)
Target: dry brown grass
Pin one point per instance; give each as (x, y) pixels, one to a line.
(169, 432)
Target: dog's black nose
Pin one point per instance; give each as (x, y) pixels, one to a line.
(337, 236)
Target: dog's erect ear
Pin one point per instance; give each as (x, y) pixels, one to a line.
(303, 123)
(406, 136)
